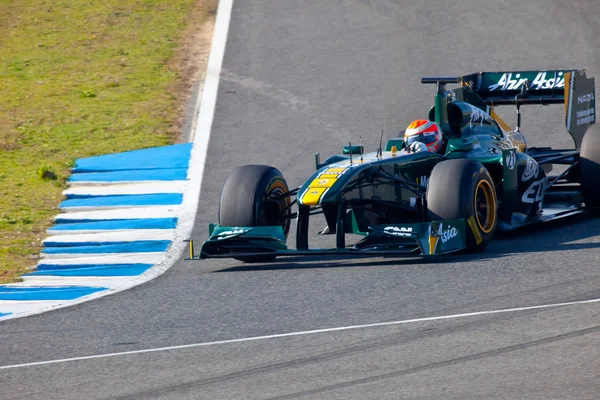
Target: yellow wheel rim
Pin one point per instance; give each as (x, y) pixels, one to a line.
(278, 187)
(485, 206)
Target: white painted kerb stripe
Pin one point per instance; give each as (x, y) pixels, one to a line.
(54, 258)
(117, 236)
(122, 213)
(64, 232)
(139, 188)
(301, 333)
(101, 207)
(84, 232)
(114, 183)
(23, 306)
(110, 258)
(108, 282)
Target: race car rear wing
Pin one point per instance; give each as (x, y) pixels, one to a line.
(569, 87)
(501, 88)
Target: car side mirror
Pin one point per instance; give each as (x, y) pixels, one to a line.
(398, 142)
(518, 140)
(461, 144)
(353, 150)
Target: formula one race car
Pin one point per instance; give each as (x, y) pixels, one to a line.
(404, 202)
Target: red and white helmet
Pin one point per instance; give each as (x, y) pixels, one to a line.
(423, 131)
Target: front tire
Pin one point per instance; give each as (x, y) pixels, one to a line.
(589, 169)
(463, 188)
(243, 201)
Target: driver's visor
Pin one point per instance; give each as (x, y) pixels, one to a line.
(419, 137)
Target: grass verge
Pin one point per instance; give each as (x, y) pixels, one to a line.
(80, 78)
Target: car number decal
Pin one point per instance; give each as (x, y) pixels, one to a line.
(321, 184)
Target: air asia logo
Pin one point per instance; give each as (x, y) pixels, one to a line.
(478, 116)
(441, 234)
(532, 170)
(451, 96)
(510, 160)
(444, 235)
(232, 233)
(507, 82)
(396, 231)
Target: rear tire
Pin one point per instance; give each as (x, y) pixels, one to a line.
(462, 188)
(242, 201)
(589, 169)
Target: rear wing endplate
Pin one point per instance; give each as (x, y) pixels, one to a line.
(580, 104)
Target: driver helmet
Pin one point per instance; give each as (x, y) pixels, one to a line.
(426, 132)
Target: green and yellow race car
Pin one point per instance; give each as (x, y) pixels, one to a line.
(428, 192)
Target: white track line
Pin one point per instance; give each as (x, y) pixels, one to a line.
(301, 333)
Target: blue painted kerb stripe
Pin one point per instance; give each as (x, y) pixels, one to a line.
(159, 199)
(172, 174)
(60, 267)
(117, 270)
(143, 246)
(141, 223)
(174, 156)
(47, 293)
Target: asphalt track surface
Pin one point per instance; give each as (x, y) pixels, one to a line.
(312, 75)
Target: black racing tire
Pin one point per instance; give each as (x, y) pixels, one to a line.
(589, 169)
(245, 188)
(462, 188)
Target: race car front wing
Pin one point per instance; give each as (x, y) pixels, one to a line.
(419, 239)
